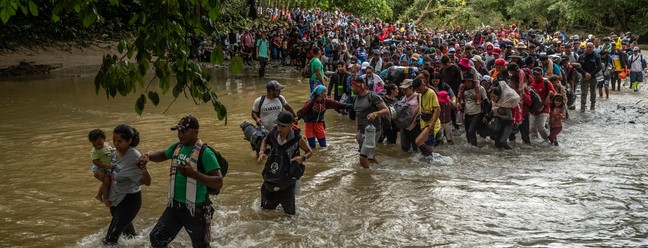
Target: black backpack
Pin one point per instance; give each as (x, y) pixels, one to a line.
(537, 104)
(222, 162)
(279, 172)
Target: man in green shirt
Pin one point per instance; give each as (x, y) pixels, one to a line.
(318, 70)
(188, 203)
(262, 51)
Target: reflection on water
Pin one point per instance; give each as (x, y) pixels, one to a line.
(591, 191)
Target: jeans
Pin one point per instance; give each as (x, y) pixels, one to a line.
(472, 123)
(590, 85)
(173, 219)
(408, 138)
(286, 197)
(122, 218)
(524, 131)
(537, 125)
(262, 65)
(501, 136)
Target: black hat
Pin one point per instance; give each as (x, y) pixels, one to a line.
(537, 70)
(186, 123)
(274, 85)
(284, 118)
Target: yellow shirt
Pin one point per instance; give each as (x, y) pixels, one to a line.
(429, 102)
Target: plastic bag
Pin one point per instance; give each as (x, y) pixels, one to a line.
(509, 98)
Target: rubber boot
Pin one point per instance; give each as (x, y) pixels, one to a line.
(635, 85)
(583, 106)
(592, 108)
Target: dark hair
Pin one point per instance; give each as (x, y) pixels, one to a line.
(316, 50)
(341, 62)
(390, 87)
(388, 65)
(553, 77)
(553, 100)
(435, 75)
(445, 59)
(496, 90)
(417, 83)
(128, 133)
(512, 67)
(96, 134)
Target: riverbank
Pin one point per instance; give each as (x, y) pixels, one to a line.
(60, 58)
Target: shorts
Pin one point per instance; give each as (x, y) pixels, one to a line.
(636, 76)
(315, 129)
(313, 84)
(605, 82)
(432, 139)
(369, 153)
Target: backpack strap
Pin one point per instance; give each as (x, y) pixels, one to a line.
(263, 97)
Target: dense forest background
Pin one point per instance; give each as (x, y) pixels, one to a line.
(39, 22)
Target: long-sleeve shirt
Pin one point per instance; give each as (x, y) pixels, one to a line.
(591, 63)
(313, 111)
(338, 85)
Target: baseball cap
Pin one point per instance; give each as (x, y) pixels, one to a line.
(500, 62)
(537, 70)
(274, 85)
(451, 50)
(186, 123)
(284, 118)
(406, 83)
(364, 65)
(636, 49)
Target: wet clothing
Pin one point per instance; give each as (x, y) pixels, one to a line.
(123, 215)
(270, 109)
(363, 106)
(285, 197)
(177, 213)
(124, 195)
(176, 217)
(338, 85)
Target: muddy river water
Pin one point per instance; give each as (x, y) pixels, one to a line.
(590, 191)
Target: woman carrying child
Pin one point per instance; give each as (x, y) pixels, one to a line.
(127, 175)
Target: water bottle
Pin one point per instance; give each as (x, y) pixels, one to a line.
(370, 136)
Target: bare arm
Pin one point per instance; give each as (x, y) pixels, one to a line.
(304, 146)
(262, 149)
(256, 118)
(382, 111)
(156, 156)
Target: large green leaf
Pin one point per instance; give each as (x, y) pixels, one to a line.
(217, 56)
(153, 96)
(33, 9)
(139, 104)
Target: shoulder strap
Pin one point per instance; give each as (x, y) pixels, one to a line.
(261, 104)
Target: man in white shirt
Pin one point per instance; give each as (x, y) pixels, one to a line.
(266, 108)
